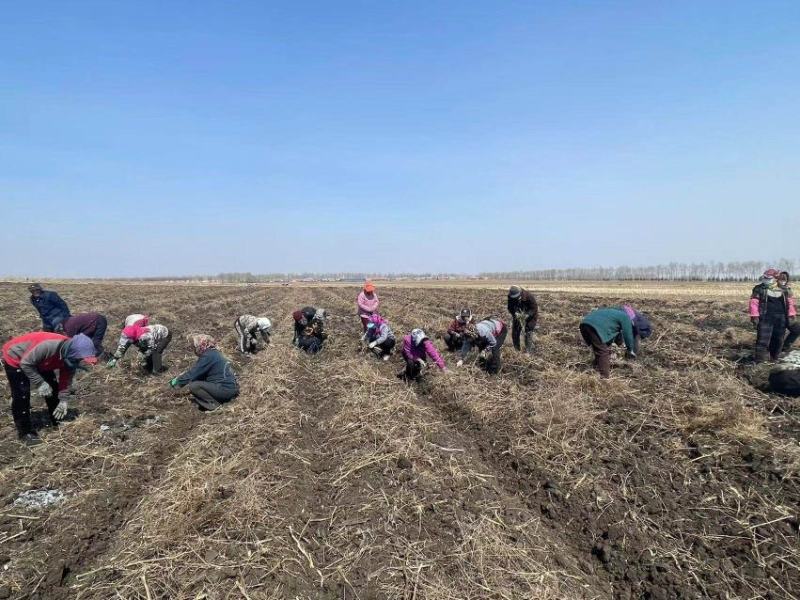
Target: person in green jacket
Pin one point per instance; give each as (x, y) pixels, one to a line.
(599, 329)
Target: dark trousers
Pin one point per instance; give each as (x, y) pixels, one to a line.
(453, 340)
(769, 336)
(794, 333)
(493, 363)
(602, 351)
(21, 397)
(310, 343)
(210, 396)
(385, 348)
(413, 369)
(154, 362)
(516, 330)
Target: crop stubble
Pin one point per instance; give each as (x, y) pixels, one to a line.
(330, 478)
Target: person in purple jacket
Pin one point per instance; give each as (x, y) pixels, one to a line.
(417, 350)
(90, 324)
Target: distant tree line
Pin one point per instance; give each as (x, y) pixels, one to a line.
(707, 271)
(674, 271)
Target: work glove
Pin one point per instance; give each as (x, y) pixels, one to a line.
(486, 354)
(44, 390)
(372, 345)
(460, 363)
(174, 382)
(61, 410)
(111, 363)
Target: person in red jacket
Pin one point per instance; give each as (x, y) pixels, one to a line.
(30, 361)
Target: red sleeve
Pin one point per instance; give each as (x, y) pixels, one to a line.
(64, 379)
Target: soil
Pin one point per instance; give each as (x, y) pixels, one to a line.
(330, 477)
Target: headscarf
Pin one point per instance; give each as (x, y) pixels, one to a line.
(770, 279)
(202, 342)
(369, 287)
(134, 332)
(77, 349)
(640, 323)
(418, 336)
(376, 320)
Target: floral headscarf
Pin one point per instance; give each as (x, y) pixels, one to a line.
(202, 342)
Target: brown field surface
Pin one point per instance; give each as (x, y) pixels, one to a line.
(330, 478)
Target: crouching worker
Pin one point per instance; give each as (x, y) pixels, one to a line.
(309, 328)
(600, 328)
(248, 328)
(379, 337)
(151, 340)
(30, 362)
(417, 351)
(211, 381)
(90, 324)
(488, 336)
(454, 338)
(306, 317)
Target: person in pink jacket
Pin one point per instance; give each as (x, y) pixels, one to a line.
(772, 311)
(417, 350)
(367, 302)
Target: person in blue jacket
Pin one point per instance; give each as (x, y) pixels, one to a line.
(52, 309)
(211, 381)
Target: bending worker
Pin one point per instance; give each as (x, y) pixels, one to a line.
(248, 327)
(51, 308)
(30, 362)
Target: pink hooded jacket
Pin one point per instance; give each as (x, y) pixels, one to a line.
(366, 304)
(424, 351)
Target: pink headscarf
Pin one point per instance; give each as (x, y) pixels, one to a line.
(134, 332)
(377, 319)
(629, 311)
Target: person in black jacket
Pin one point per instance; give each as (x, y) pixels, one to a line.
(211, 381)
(772, 311)
(524, 315)
(51, 308)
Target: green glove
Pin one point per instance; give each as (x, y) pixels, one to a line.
(174, 382)
(111, 363)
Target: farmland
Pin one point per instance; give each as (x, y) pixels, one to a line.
(331, 478)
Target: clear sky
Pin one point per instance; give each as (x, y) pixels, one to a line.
(152, 138)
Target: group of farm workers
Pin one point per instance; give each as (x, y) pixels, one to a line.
(45, 361)
(487, 335)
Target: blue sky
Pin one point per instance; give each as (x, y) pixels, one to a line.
(152, 138)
